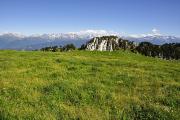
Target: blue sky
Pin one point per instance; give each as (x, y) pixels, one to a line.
(124, 16)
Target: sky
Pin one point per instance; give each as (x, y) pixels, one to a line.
(61, 16)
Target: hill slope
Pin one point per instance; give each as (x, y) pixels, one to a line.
(87, 85)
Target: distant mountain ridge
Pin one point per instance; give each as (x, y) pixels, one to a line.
(19, 41)
(156, 39)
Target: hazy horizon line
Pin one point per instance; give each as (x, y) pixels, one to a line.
(154, 31)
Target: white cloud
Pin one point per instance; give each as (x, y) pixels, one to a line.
(155, 31)
(95, 32)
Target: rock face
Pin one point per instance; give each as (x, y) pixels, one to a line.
(108, 43)
(105, 43)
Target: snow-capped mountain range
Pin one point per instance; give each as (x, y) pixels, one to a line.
(156, 39)
(37, 41)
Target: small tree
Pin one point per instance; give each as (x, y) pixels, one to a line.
(54, 48)
(69, 47)
(83, 47)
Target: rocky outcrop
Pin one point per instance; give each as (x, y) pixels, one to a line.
(102, 43)
(108, 43)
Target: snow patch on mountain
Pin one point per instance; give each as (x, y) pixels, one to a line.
(20, 41)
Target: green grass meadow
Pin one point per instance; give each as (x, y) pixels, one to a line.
(84, 85)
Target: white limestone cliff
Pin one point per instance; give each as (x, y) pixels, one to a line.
(102, 44)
